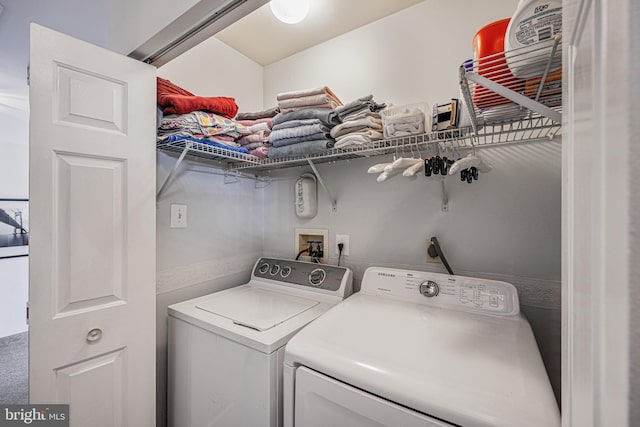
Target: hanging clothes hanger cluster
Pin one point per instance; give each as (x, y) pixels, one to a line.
(434, 166)
(408, 166)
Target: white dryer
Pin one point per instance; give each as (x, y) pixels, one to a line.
(226, 349)
(419, 349)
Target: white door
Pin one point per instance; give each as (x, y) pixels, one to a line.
(92, 258)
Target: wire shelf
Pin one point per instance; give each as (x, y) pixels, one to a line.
(511, 86)
(525, 130)
(487, 85)
(209, 152)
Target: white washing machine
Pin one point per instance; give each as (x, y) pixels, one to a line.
(419, 349)
(226, 349)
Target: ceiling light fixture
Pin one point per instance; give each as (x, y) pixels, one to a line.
(289, 11)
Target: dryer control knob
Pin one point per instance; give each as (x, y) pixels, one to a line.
(317, 276)
(264, 267)
(429, 289)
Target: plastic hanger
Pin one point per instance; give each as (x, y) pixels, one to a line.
(471, 160)
(402, 163)
(386, 175)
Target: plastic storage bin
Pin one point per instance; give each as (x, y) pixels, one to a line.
(405, 120)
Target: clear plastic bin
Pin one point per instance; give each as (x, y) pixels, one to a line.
(405, 120)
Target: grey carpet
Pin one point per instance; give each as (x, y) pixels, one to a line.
(14, 369)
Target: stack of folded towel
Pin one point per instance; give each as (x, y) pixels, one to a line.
(302, 132)
(188, 117)
(321, 97)
(200, 126)
(404, 122)
(254, 129)
(361, 123)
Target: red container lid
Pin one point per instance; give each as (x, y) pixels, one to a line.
(489, 39)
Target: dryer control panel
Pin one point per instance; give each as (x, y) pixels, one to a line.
(311, 275)
(442, 290)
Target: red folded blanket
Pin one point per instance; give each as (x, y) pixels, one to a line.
(175, 100)
(165, 87)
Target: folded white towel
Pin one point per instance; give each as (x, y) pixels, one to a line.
(361, 114)
(351, 125)
(353, 139)
(371, 134)
(307, 92)
(307, 100)
(248, 130)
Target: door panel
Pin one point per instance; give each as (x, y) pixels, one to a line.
(108, 370)
(76, 90)
(92, 260)
(83, 187)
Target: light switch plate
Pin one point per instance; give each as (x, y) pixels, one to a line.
(178, 216)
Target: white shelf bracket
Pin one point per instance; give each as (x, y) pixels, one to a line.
(515, 97)
(334, 202)
(444, 196)
(175, 168)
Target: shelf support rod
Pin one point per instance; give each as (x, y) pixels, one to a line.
(466, 93)
(548, 67)
(334, 202)
(444, 196)
(175, 168)
(516, 97)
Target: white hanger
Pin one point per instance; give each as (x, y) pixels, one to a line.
(472, 160)
(386, 175)
(412, 170)
(378, 168)
(402, 163)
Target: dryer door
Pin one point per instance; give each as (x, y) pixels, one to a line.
(321, 401)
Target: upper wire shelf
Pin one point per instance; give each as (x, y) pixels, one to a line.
(523, 130)
(504, 109)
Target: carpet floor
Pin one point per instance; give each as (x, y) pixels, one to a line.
(14, 369)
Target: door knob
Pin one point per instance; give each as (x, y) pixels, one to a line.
(94, 335)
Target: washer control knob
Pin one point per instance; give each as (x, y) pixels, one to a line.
(275, 269)
(429, 289)
(286, 271)
(317, 276)
(264, 267)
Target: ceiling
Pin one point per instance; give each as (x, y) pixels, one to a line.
(264, 39)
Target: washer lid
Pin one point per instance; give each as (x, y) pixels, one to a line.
(256, 308)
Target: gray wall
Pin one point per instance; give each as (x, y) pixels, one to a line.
(634, 215)
(505, 226)
(222, 241)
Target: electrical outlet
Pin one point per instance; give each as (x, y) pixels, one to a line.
(178, 216)
(436, 259)
(344, 239)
